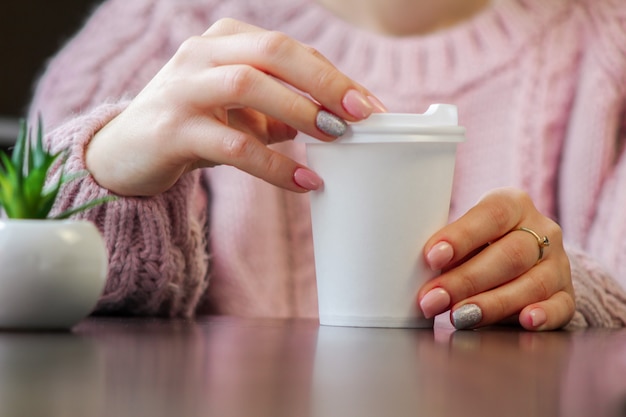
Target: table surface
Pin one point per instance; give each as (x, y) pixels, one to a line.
(226, 366)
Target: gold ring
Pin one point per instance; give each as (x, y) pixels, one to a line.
(542, 242)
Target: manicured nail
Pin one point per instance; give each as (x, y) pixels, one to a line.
(537, 317)
(307, 179)
(330, 124)
(466, 316)
(439, 255)
(357, 104)
(379, 107)
(435, 301)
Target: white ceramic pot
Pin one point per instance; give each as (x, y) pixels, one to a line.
(52, 272)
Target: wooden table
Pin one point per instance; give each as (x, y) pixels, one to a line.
(225, 366)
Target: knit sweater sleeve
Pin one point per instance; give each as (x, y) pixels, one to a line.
(597, 246)
(158, 256)
(600, 301)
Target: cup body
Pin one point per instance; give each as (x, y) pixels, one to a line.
(385, 193)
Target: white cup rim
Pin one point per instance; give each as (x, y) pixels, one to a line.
(438, 124)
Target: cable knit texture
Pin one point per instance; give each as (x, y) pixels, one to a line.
(156, 266)
(540, 87)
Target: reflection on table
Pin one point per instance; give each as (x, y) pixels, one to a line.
(225, 366)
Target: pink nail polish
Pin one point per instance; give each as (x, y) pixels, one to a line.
(435, 301)
(357, 104)
(537, 317)
(379, 107)
(440, 255)
(307, 179)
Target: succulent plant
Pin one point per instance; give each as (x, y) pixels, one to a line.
(24, 192)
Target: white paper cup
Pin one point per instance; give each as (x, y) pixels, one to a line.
(387, 189)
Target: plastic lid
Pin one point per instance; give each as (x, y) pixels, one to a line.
(438, 123)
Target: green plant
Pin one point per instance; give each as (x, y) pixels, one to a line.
(24, 193)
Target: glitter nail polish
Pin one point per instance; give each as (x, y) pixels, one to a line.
(466, 316)
(330, 124)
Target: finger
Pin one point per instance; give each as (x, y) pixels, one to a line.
(492, 217)
(228, 26)
(238, 86)
(496, 264)
(267, 129)
(245, 152)
(291, 62)
(495, 305)
(553, 313)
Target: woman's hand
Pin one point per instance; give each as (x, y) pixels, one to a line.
(492, 270)
(221, 99)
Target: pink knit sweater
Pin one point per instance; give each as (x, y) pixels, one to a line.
(540, 86)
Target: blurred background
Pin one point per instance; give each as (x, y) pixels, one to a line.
(31, 31)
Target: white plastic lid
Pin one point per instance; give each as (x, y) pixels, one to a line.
(439, 123)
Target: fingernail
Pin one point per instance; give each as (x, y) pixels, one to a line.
(537, 317)
(330, 124)
(439, 255)
(466, 316)
(379, 107)
(435, 301)
(307, 179)
(357, 104)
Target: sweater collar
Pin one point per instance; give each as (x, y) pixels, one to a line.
(441, 62)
